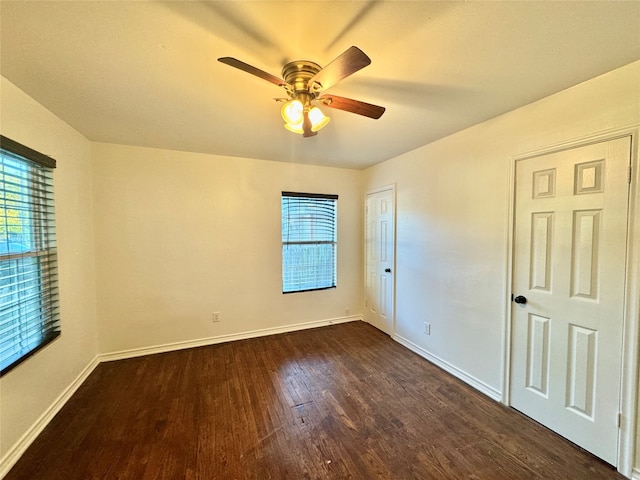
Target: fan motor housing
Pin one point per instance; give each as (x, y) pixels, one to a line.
(298, 73)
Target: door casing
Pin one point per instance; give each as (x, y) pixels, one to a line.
(629, 367)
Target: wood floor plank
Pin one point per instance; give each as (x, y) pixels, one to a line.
(339, 402)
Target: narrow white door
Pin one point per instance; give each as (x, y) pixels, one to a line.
(569, 268)
(379, 251)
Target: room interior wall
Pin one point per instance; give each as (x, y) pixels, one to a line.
(28, 392)
(182, 235)
(158, 240)
(453, 220)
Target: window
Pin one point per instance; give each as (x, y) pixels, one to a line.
(308, 241)
(29, 317)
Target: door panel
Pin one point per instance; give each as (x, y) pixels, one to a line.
(569, 263)
(379, 253)
(538, 355)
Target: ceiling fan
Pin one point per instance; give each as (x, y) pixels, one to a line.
(304, 81)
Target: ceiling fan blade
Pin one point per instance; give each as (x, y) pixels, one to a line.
(352, 60)
(245, 67)
(353, 106)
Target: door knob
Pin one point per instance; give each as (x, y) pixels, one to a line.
(520, 299)
(387, 270)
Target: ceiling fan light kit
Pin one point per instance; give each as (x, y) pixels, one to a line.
(294, 111)
(304, 81)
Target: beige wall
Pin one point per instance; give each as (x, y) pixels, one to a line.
(452, 219)
(181, 235)
(28, 391)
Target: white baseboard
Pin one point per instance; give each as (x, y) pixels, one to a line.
(455, 371)
(16, 451)
(170, 347)
(635, 474)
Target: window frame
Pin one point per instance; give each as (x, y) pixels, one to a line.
(333, 242)
(42, 248)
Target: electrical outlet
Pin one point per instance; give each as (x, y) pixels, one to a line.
(216, 317)
(427, 328)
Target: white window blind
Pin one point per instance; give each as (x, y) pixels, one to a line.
(29, 316)
(309, 241)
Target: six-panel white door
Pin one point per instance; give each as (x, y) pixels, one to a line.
(569, 264)
(379, 246)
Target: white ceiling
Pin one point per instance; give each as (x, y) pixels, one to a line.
(145, 73)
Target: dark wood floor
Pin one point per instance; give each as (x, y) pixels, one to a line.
(340, 402)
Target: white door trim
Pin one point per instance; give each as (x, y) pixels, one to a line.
(631, 331)
(383, 188)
